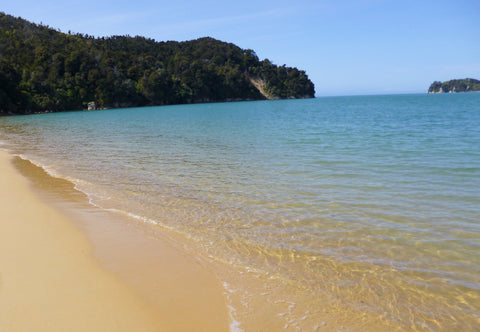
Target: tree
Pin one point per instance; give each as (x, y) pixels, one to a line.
(44, 69)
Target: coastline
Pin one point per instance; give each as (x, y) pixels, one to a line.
(58, 273)
(345, 239)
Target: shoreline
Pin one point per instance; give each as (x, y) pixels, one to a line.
(297, 240)
(69, 266)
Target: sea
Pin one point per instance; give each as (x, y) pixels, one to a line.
(356, 213)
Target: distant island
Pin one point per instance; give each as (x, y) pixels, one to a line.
(42, 69)
(463, 85)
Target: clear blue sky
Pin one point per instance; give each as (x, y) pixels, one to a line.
(347, 47)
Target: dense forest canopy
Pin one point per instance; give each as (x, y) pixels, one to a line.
(42, 69)
(463, 85)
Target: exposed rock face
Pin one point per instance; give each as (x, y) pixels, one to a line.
(261, 86)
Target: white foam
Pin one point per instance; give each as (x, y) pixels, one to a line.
(137, 217)
(235, 325)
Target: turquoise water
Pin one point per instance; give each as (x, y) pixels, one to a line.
(363, 206)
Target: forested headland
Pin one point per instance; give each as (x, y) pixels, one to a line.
(461, 85)
(43, 69)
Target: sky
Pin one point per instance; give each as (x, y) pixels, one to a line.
(346, 47)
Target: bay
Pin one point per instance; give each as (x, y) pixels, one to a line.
(355, 213)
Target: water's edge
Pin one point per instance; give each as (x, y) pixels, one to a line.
(153, 262)
(356, 213)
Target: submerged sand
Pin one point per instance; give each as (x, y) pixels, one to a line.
(52, 280)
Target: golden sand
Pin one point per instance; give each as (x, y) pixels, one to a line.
(51, 278)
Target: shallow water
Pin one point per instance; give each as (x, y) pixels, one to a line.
(350, 213)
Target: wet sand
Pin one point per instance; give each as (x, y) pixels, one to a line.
(57, 274)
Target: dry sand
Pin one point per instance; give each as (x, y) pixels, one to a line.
(50, 279)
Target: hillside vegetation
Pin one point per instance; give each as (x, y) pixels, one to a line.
(463, 85)
(42, 69)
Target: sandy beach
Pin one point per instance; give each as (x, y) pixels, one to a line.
(50, 279)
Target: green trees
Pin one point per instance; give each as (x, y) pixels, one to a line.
(42, 69)
(462, 85)
(11, 97)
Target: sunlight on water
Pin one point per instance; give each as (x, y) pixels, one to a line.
(352, 213)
